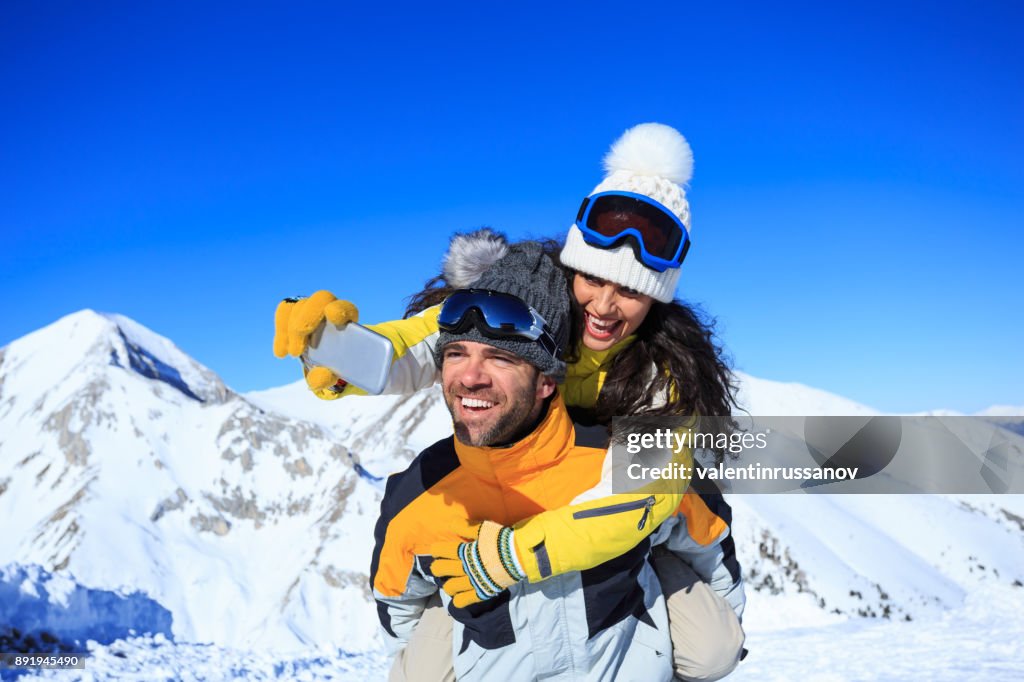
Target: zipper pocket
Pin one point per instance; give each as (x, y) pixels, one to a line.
(646, 505)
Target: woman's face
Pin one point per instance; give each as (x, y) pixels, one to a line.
(611, 312)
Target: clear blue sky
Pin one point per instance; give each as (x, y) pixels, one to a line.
(857, 195)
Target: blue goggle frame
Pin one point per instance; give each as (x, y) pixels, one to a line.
(497, 315)
(668, 224)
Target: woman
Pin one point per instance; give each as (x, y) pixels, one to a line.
(623, 260)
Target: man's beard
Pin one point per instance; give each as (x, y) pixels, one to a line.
(521, 413)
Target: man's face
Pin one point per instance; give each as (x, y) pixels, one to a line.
(491, 393)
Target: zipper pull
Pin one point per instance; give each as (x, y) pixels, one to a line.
(647, 512)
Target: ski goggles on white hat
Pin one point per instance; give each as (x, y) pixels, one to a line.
(657, 235)
(496, 315)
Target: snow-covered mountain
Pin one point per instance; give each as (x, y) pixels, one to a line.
(248, 518)
(129, 465)
(764, 397)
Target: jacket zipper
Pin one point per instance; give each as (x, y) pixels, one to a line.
(646, 505)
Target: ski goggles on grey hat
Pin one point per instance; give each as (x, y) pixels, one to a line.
(496, 315)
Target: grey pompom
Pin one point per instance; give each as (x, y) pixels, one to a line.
(471, 255)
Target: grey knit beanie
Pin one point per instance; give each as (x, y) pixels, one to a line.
(526, 272)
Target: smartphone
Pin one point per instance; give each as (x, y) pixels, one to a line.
(359, 356)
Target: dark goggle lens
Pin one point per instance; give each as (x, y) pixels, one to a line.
(502, 313)
(611, 215)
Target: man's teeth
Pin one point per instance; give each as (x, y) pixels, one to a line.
(476, 402)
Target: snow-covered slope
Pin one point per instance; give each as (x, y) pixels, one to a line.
(761, 397)
(1002, 411)
(899, 557)
(383, 432)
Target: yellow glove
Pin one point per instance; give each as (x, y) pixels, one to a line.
(480, 567)
(296, 319)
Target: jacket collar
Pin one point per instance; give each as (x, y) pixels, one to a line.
(545, 447)
(593, 360)
(585, 377)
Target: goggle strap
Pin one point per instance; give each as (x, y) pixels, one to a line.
(549, 344)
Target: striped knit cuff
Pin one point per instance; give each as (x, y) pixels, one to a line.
(507, 552)
(473, 565)
(497, 554)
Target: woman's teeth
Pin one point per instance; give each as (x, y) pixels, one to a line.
(476, 402)
(601, 328)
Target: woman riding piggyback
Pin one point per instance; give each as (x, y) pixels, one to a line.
(635, 350)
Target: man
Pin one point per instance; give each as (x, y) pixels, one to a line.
(516, 453)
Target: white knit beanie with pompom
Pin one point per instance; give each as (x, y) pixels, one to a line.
(652, 159)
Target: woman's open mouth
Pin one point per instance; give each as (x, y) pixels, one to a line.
(602, 330)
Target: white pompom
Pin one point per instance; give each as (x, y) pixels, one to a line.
(471, 255)
(652, 149)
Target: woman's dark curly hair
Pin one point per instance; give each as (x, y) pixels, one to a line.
(692, 375)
